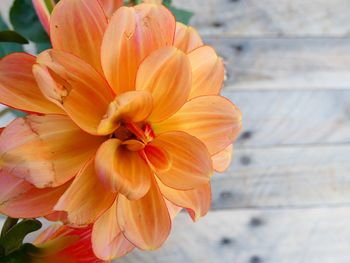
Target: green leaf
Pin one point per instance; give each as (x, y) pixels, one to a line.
(181, 15)
(7, 48)
(42, 46)
(13, 239)
(25, 21)
(12, 36)
(19, 255)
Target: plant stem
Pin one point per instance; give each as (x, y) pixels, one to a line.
(9, 223)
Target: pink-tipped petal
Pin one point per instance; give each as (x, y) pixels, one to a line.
(86, 199)
(212, 119)
(222, 160)
(43, 9)
(20, 199)
(132, 34)
(46, 151)
(108, 241)
(187, 38)
(145, 222)
(18, 88)
(77, 27)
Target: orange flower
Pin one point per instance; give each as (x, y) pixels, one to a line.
(129, 124)
(63, 244)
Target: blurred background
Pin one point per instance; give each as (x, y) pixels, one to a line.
(286, 196)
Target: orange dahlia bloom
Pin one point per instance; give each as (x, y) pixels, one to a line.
(59, 243)
(126, 125)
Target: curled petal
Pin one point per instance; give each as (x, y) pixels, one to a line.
(186, 38)
(46, 151)
(166, 74)
(86, 199)
(18, 88)
(77, 27)
(20, 199)
(145, 222)
(222, 160)
(75, 86)
(121, 170)
(196, 201)
(108, 241)
(110, 6)
(190, 161)
(132, 34)
(207, 72)
(132, 106)
(212, 119)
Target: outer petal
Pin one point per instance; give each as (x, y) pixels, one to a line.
(18, 88)
(173, 209)
(77, 27)
(207, 72)
(145, 222)
(65, 244)
(75, 86)
(43, 9)
(19, 199)
(86, 199)
(132, 106)
(108, 241)
(110, 6)
(158, 2)
(190, 161)
(186, 38)
(212, 119)
(222, 160)
(122, 170)
(45, 150)
(196, 201)
(166, 73)
(132, 34)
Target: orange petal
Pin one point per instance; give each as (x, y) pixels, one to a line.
(212, 119)
(166, 73)
(18, 88)
(43, 9)
(158, 158)
(207, 72)
(86, 199)
(110, 6)
(145, 222)
(108, 241)
(121, 170)
(75, 86)
(64, 244)
(222, 160)
(47, 150)
(132, 34)
(173, 210)
(132, 106)
(196, 201)
(77, 27)
(19, 199)
(190, 161)
(186, 38)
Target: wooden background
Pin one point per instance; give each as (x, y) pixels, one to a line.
(286, 196)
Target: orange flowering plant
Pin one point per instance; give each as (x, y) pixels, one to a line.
(125, 127)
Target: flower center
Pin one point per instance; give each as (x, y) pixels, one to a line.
(141, 132)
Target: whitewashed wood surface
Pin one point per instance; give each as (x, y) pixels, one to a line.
(286, 196)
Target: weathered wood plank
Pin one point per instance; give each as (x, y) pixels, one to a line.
(250, 236)
(270, 17)
(293, 117)
(277, 63)
(285, 177)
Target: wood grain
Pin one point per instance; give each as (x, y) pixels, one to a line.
(282, 177)
(277, 63)
(251, 236)
(293, 117)
(270, 17)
